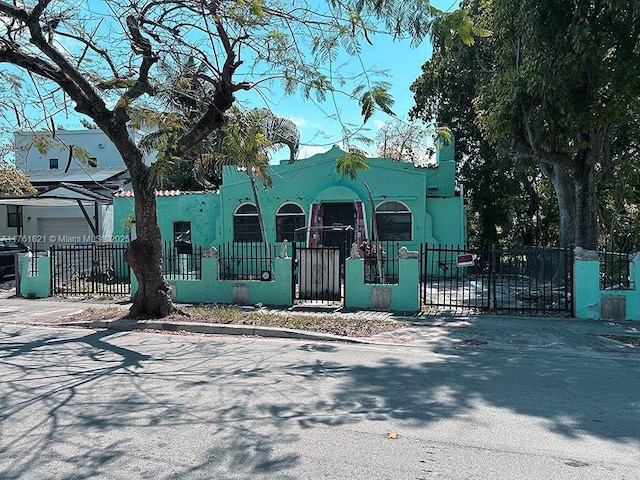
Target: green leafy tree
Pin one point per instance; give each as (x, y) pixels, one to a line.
(500, 194)
(564, 93)
(182, 100)
(554, 89)
(13, 182)
(105, 60)
(618, 207)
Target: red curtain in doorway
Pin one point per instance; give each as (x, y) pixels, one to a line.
(361, 223)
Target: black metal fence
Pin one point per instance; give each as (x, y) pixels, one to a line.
(246, 261)
(93, 269)
(34, 252)
(497, 278)
(615, 272)
(181, 263)
(380, 262)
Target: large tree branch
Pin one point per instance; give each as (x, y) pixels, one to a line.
(64, 73)
(142, 46)
(38, 10)
(223, 97)
(14, 12)
(520, 149)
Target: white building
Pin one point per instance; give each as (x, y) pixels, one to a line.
(76, 174)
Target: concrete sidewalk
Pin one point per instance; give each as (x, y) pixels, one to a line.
(439, 332)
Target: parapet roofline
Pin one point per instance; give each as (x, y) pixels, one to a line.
(168, 193)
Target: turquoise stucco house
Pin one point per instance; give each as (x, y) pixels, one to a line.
(309, 201)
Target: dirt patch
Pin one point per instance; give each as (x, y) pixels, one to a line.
(626, 339)
(319, 323)
(471, 342)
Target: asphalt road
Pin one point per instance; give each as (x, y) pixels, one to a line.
(83, 404)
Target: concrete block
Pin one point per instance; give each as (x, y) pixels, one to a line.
(613, 307)
(240, 294)
(381, 298)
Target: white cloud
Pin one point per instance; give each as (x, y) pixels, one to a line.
(299, 121)
(379, 123)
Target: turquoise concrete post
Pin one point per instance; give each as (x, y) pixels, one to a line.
(401, 297)
(406, 298)
(586, 286)
(36, 285)
(356, 293)
(282, 276)
(633, 300)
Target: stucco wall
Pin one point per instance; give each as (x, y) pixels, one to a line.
(209, 289)
(403, 296)
(588, 298)
(429, 193)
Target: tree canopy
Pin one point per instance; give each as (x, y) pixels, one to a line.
(555, 86)
(106, 59)
(13, 181)
(565, 94)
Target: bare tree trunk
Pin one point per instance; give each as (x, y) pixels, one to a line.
(263, 231)
(586, 207)
(374, 228)
(144, 255)
(565, 194)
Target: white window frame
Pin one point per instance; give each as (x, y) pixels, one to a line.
(281, 215)
(408, 210)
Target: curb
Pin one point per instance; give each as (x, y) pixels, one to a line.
(214, 329)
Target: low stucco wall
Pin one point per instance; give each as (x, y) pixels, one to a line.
(36, 286)
(209, 289)
(401, 297)
(589, 299)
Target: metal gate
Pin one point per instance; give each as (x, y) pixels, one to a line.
(318, 274)
(534, 280)
(91, 269)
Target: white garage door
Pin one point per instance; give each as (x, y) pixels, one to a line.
(64, 231)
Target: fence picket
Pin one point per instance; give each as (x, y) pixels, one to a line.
(93, 269)
(501, 278)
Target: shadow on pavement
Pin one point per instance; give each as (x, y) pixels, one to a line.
(196, 404)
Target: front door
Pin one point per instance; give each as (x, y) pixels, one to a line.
(337, 215)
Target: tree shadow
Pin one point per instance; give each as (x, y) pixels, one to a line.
(69, 399)
(91, 404)
(572, 397)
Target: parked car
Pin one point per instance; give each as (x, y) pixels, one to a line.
(8, 249)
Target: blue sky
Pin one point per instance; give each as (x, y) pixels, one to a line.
(319, 129)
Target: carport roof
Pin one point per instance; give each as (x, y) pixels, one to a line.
(74, 175)
(41, 201)
(76, 194)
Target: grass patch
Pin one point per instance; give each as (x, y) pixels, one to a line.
(321, 323)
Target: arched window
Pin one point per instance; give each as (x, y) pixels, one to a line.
(246, 227)
(288, 218)
(393, 221)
